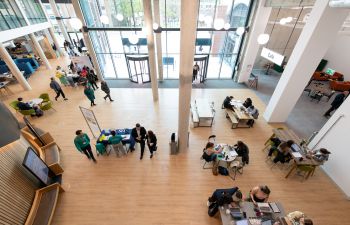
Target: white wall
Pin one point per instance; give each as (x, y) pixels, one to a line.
(336, 139)
(338, 55)
(9, 35)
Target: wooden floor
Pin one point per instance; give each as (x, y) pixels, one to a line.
(166, 189)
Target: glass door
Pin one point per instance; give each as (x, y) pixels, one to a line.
(138, 68)
(201, 62)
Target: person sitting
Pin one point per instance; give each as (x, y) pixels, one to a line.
(248, 102)
(227, 102)
(320, 155)
(210, 152)
(232, 196)
(253, 112)
(283, 152)
(298, 217)
(242, 151)
(116, 142)
(23, 105)
(259, 194)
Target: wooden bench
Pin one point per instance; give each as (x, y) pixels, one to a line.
(44, 205)
(230, 115)
(49, 153)
(195, 118)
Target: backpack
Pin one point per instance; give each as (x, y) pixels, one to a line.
(223, 171)
(255, 115)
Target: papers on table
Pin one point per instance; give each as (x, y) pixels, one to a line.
(242, 222)
(297, 155)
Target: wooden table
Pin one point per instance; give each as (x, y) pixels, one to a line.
(35, 101)
(248, 208)
(240, 112)
(204, 111)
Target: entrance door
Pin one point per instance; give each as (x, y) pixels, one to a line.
(138, 68)
(202, 61)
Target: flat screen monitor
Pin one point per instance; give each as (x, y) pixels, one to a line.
(36, 166)
(32, 129)
(330, 71)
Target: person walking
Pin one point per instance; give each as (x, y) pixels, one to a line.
(139, 135)
(91, 76)
(105, 88)
(89, 94)
(82, 143)
(151, 142)
(57, 88)
(338, 100)
(195, 72)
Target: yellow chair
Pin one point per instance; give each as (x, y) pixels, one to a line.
(45, 97)
(14, 105)
(46, 106)
(27, 112)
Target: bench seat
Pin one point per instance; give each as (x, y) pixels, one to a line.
(231, 115)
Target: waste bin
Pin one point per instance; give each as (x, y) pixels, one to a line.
(173, 144)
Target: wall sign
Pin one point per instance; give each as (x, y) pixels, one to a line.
(272, 56)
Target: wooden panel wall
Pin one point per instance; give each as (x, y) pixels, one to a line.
(17, 186)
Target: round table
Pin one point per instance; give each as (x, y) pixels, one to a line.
(35, 101)
(228, 153)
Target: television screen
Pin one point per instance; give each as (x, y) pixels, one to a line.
(330, 71)
(32, 129)
(36, 166)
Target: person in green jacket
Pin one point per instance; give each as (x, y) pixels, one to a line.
(89, 92)
(116, 142)
(82, 143)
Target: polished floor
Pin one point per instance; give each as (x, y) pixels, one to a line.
(166, 189)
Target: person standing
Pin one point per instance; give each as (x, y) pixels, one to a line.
(139, 135)
(338, 100)
(82, 143)
(92, 79)
(89, 94)
(57, 88)
(105, 88)
(195, 72)
(151, 142)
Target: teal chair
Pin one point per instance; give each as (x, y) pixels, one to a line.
(14, 105)
(100, 149)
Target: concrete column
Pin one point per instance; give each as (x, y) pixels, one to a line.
(188, 26)
(318, 34)
(39, 50)
(147, 6)
(261, 19)
(87, 40)
(158, 40)
(13, 68)
(55, 41)
(59, 20)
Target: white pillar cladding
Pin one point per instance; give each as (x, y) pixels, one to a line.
(40, 51)
(87, 40)
(59, 20)
(158, 40)
(13, 68)
(258, 27)
(147, 6)
(55, 41)
(188, 32)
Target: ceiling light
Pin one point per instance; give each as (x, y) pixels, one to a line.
(104, 19)
(76, 23)
(289, 19)
(133, 39)
(283, 21)
(219, 24)
(155, 26)
(263, 39)
(120, 17)
(240, 31)
(227, 26)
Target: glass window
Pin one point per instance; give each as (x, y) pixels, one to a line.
(10, 16)
(33, 11)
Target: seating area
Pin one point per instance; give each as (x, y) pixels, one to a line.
(28, 65)
(340, 85)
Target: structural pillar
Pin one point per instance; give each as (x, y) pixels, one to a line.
(147, 7)
(158, 40)
(40, 51)
(188, 32)
(13, 68)
(55, 41)
(59, 20)
(261, 19)
(319, 33)
(87, 40)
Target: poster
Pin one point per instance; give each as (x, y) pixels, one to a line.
(91, 121)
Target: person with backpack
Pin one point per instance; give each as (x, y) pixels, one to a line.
(220, 197)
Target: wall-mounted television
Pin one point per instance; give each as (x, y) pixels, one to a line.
(34, 164)
(33, 130)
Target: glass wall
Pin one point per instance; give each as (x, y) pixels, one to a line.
(10, 16)
(125, 17)
(33, 11)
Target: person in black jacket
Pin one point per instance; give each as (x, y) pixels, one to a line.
(105, 88)
(242, 151)
(91, 76)
(248, 102)
(338, 100)
(151, 142)
(227, 102)
(139, 134)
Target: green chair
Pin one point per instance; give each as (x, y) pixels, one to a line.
(307, 170)
(45, 96)
(14, 105)
(46, 106)
(100, 149)
(27, 112)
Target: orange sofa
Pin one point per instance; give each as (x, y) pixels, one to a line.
(321, 76)
(340, 85)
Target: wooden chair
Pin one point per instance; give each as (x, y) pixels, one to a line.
(237, 166)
